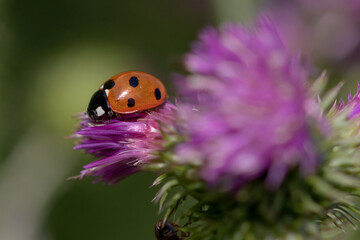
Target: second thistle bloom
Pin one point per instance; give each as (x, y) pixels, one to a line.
(253, 108)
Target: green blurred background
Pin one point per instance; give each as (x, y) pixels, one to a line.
(53, 56)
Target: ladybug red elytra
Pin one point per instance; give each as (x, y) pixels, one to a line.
(126, 93)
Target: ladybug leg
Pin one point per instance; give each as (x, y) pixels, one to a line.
(109, 115)
(109, 118)
(184, 234)
(118, 115)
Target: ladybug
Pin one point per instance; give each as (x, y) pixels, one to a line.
(126, 93)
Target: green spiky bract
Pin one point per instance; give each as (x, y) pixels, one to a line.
(303, 207)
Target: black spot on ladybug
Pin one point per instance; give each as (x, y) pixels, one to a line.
(131, 102)
(109, 84)
(157, 94)
(134, 82)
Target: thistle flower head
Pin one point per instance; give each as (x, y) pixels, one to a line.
(124, 144)
(250, 116)
(252, 108)
(248, 120)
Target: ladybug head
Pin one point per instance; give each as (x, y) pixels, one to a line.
(99, 109)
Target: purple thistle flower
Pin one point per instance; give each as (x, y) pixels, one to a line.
(124, 144)
(253, 108)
